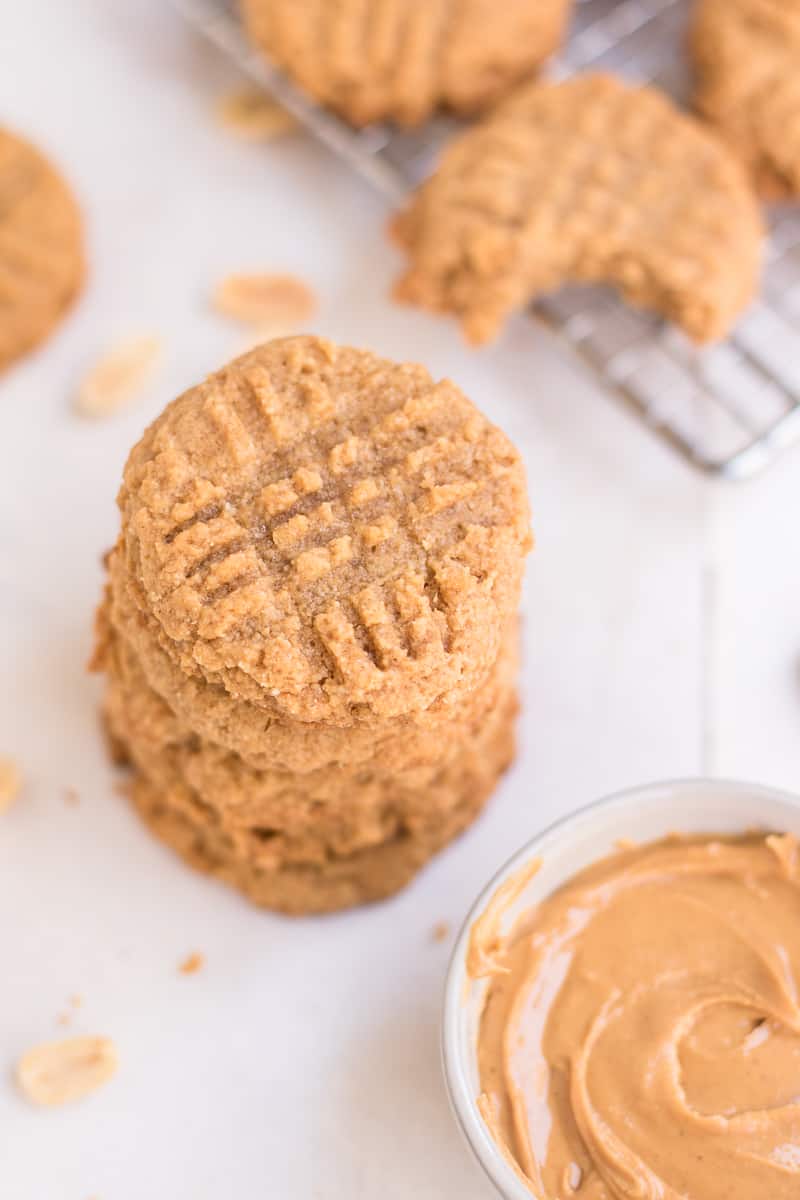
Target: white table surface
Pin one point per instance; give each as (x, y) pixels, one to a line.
(662, 637)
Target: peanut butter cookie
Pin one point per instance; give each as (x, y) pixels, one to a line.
(335, 880)
(747, 58)
(328, 536)
(309, 627)
(590, 181)
(41, 248)
(126, 649)
(306, 815)
(394, 60)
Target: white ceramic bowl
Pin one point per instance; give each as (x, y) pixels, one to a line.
(644, 814)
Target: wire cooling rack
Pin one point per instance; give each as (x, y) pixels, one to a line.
(731, 409)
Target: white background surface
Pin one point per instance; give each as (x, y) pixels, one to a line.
(662, 639)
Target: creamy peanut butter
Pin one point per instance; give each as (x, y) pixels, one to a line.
(640, 1038)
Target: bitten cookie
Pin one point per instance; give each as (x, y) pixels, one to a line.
(747, 59)
(396, 60)
(590, 181)
(41, 248)
(328, 536)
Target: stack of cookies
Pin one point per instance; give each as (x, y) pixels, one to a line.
(309, 627)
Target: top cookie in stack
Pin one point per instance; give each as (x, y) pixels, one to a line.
(320, 562)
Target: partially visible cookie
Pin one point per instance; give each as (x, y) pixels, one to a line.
(589, 181)
(41, 247)
(126, 648)
(399, 60)
(339, 880)
(328, 536)
(281, 816)
(747, 59)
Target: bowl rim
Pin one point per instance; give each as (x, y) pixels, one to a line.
(462, 1101)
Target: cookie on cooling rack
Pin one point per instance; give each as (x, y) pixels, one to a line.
(375, 60)
(41, 247)
(591, 181)
(747, 60)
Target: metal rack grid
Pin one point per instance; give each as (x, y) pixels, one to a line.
(730, 409)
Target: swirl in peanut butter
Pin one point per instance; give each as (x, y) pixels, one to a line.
(640, 1038)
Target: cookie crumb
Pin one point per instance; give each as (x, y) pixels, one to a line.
(63, 1019)
(58, 1073)
(625, 843)
(194, 963)
(250, 114)
(75, 1000)
(275, 304)
(118, 376)
(10, 782)
(441, 931)
(71, 797)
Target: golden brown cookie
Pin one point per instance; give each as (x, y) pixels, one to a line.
(589, 181)
(747, 59)
(41, 247)
(341, 880)
(374, 60)
(328, 536)
(267, 743)
(339, 809)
